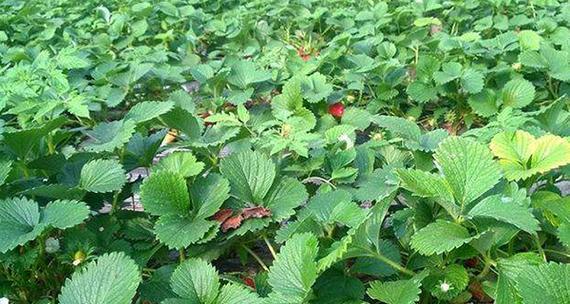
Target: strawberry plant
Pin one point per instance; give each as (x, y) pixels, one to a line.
(343, 151)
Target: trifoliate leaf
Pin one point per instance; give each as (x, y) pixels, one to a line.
(294, 271)
(468, 167)
(521, 155)
(112, 279)
(165, 192)
(181, 162)
(102, 175)
(251, 175)
(147, 110)
(547, 283)
(439, 237)
(507, 211)
(518, 93)
(107, 136)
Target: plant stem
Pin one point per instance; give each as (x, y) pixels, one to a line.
(271, 249)
(539, 247)
(391, 263)
(256, 257)
(486, 268)
(181, 255)
(564, 254)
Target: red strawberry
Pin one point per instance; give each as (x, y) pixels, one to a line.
(471, 262)
(336, 109)
(249, 282)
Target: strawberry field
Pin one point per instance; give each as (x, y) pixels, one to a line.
(284, 151)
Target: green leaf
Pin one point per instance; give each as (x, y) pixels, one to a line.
(208, 194)
(181, 162)
(484, 103)
(196, 281)
(315, 88)
(564, 234)
(399, 126)
(529, 40)
(112, 279)
(518, 93)
(468, 167)
(284, 197)
(357, 117)
(521, 155)
(501, 209)
(5, 168)
(294, 271)
(177, 231)
(395, 292)
(147, 110)
(236, 294)
(472, 81)
(251, 175)
(425, 184)
(244, 73)
(421, 92)
(64, 214)
(19, 222)
(21, 219)
(165, 192)
(107, 136)
(509, 269)
(425, 21)
(450, 71)
(439, 237)
(102, 175)
(547, 283)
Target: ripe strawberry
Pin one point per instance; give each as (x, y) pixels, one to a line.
(471, 262)
(336, 109)
(249, 282)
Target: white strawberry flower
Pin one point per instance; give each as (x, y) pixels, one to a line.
(445, 287)
(4, 301)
